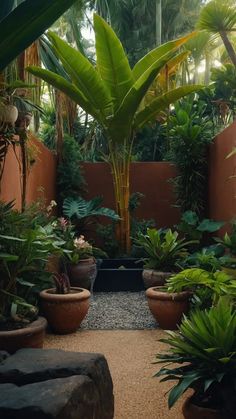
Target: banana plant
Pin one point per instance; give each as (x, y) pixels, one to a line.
(113, 94)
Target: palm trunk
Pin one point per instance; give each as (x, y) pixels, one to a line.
(229, 47)
(158, 22)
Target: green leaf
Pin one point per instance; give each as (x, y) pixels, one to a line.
(121, 125)
(217, 16)
(65, 86)
(210, 226)
(181, 387)
(81, 208)
(83, 75)
(156, 54)
(8, 258)
(25, 24)
(162, 103)
(112, 62)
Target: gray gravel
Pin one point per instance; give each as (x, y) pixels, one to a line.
(119, 310)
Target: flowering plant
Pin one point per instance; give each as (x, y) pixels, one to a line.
(82, 249)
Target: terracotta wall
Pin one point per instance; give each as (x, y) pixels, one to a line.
(41, 178)
(149, 178)
(222, 180)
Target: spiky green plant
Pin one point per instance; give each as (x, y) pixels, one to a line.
(205, 348)
(163, 249)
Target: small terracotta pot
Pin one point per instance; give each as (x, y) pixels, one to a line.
(31, 336)
(168, 308)
(153, 278)
(65, 312)
(192, 411)
(83, 274)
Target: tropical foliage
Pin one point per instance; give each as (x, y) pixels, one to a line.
(163, 248)
(204, 347)
(22, 26)
(112, 93)
(190, 131)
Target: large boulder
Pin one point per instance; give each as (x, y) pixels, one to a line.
(72, 398)
(34, 370)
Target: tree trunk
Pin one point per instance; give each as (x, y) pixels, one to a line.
(229, 47)
(59, 125)
(158, 22)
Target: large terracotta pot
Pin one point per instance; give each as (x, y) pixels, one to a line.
(83, 274)
(168, 308)
(153, 278)
(192, 411)
(65, 312)
(31, 336)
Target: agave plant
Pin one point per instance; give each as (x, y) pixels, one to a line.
(163, 249)
(113, 94)
(205, 348)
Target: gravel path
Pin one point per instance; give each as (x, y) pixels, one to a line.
(119, 310)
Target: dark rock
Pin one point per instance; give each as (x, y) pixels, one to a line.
(63, 398)
(34, 365)
(3, 355)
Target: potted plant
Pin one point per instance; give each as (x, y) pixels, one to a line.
(64, 307)
(81, 264)
(192, 287)
(204, 359)
(163, 250)
(24, 249)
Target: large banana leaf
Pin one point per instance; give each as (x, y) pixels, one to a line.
(112, 62)
(122, 121)
(49, 58)
(161, 103)
(66, 87)
(25, 24)
(6, 7)
(84, 75)
(156, 54)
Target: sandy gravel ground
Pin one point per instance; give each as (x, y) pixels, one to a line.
(130, 354)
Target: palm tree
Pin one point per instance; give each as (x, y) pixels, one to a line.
(114, 95)
(220, 17)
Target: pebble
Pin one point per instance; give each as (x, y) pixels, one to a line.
(118, 310)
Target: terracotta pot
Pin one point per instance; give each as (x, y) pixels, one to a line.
(31, 336)
(168, 308)
(83, 274)
(192, 411)
(65, 312)
(153, 278)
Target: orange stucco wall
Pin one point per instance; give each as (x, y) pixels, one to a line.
(149, 178)
(222, 180)
(41, 179)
